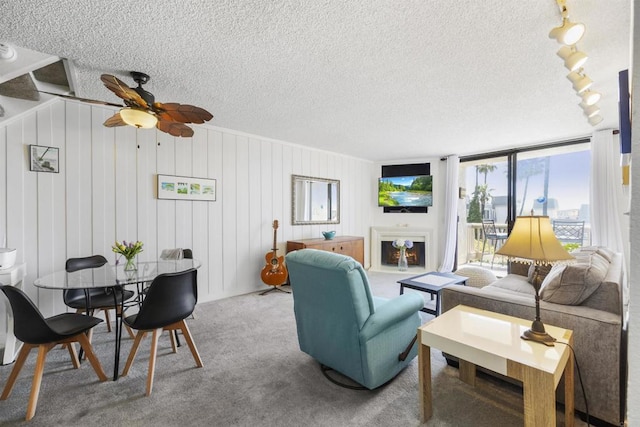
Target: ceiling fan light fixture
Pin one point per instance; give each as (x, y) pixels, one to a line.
(138, 118)
(573, 58)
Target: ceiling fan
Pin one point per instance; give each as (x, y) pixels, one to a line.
(142, 111)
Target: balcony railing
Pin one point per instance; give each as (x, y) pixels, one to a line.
(470, 242)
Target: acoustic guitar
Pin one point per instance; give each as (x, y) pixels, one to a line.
(274, 272)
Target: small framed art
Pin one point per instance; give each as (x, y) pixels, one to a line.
(43, 159)
(186, 188)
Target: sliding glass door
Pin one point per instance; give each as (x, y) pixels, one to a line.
(552, 181)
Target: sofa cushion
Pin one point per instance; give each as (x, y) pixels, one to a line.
(572, 284)
(513, 283)
(477, 277)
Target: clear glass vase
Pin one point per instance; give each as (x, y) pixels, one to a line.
(403, 265)
(131, 264)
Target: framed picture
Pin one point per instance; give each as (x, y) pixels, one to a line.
(186, 188)
(43, 159)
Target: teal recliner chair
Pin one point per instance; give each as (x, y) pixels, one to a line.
(344, 327)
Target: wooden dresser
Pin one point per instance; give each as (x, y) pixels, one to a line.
(346, 245)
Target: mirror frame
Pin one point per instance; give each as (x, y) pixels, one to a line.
(294, 179)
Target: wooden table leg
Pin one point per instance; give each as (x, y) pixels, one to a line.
(467, 372)
(569, 396)
(539, 398)
(424, 381)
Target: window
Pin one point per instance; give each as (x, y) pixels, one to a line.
(551, 181)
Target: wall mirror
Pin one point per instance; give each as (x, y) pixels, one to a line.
(314, 200)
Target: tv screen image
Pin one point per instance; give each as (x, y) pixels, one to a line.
(405, 191)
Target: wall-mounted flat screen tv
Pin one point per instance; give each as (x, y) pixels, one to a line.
(405, 191)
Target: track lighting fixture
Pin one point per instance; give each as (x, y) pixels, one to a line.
(590, 97)
(568, 33)
(590, 110)
(580, 81)
(594, 120)
(573, 58)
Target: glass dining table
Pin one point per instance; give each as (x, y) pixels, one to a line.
(115, 278)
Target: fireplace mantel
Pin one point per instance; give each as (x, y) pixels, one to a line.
(380, 234)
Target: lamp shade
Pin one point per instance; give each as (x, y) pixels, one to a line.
(568, 33)
(573, 58)
(532, 240)
(138, 118)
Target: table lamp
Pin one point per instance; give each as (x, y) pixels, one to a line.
(532, 241)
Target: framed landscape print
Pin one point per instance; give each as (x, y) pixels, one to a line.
(186, 188)
(43, 159)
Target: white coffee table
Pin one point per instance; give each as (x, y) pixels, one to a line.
(492, 340)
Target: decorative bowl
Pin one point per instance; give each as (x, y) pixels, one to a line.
(328, 235)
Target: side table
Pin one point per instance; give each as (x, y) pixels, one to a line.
(492, 340)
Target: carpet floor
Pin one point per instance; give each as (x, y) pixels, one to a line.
(254, 375)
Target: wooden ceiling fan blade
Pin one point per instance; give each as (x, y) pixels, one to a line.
(174, 128)
(114, 121)
(123, 91)
(87, 100)
(182, 113)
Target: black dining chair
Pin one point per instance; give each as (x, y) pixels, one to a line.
(170, 299)
(35, 331)
(99, 298)
(169, 255)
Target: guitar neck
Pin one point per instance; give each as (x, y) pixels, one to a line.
(274, 248)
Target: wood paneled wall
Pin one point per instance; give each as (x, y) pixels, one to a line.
(106, 191)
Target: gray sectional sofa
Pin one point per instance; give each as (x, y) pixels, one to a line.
(587, 297)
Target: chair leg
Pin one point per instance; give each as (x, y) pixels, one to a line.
(484, 242)
(13, 376)
(134, 350)
(93, 359)
(132, 335)
(152, 359)
(192, 346)
(43, 349)
(172, 337)
(107, 318)
(74, 354)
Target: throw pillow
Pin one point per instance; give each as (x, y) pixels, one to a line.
(572, 284)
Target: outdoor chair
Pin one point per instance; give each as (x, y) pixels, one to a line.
(492, 236)
(568, 231)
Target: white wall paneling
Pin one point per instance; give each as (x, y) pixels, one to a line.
(105, 191)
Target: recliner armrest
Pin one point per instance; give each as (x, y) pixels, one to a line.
(391, 313)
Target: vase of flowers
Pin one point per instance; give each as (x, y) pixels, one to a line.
(129, 251)
(402, 246)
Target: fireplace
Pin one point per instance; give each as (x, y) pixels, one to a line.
(390, 255)
(384, 257)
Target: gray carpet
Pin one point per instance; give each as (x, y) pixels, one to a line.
(253, 375)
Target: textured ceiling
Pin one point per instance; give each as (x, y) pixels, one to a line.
(376, 79)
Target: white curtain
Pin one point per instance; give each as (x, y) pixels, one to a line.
(450, 214)
(606, 191)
